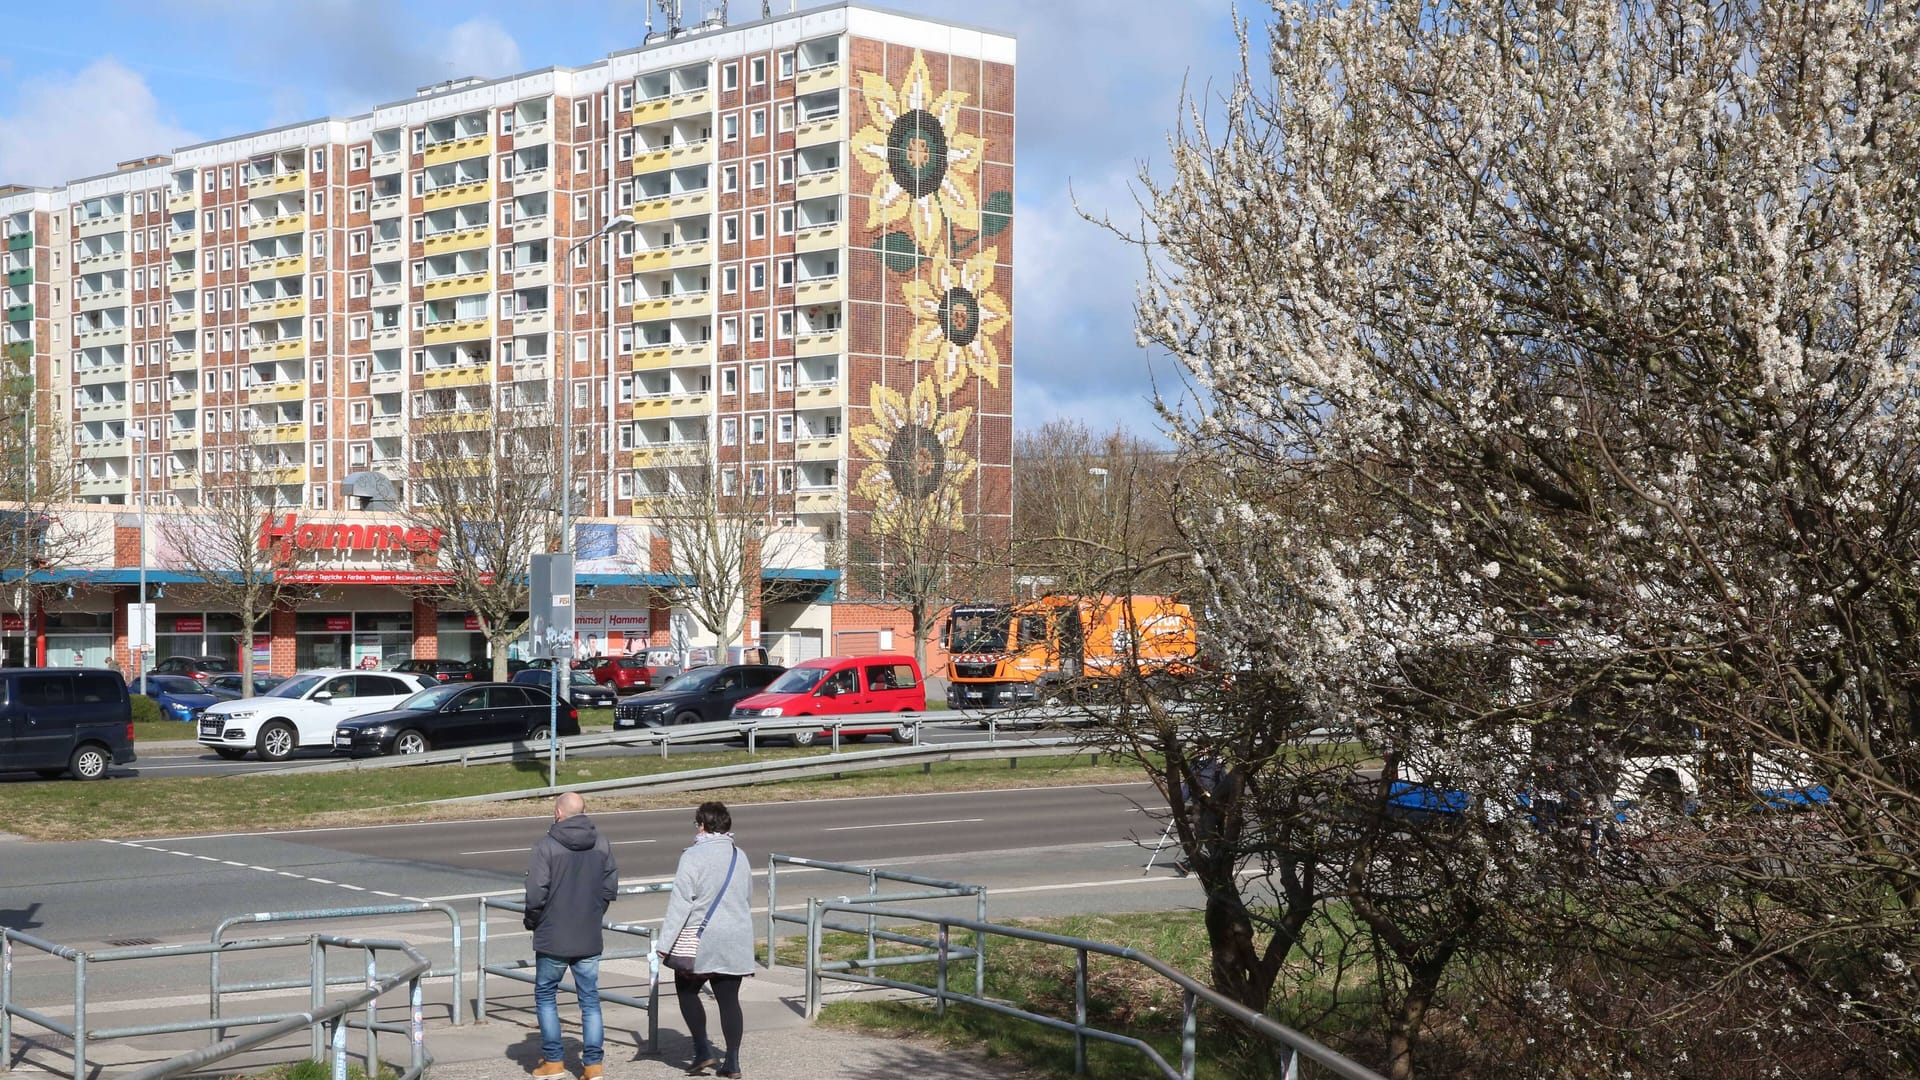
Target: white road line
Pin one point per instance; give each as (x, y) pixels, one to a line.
(906, 824)
(248, 866)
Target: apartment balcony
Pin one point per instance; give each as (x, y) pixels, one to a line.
(650, 408)
(815, 132)
(459, 240)
(100, 226)
(388, 250)
(387, 164)
(691, 253)
(698, 352)
(280, 474)
(183, 440)
(824, 341)
(457, 195)
(380, 295)
(652, 259)
(102, 300)
(525, 134)
(647, 310)
(646, 112)
(273, 310)
(820, 290)
(533, 321)
(184, 480)
(388, 337)
(654, 209)
(105, 335)
(180, 202)
(183, 320)
(390, 379)
(532, 227)
(20, 277)
(19, 241)
(670, 454)
(470, 420)
(283, 225)
(819, 500)
(692, 305)
(692, 103)
(187, 360)
(682, 405)
(97, 374)
(819, 395)
(104, 409)
(458, 285)
(184, 240)
(295, 432)
(692, 202)
(277, 183)
(389, 206)
(532, 182)
(284, 349)
(471, 375)
(106, 260)
(472, 146)
(282, 390)
(828, 237)
(828, 448)
(652, 356)
(112, 485)
(284, 266)
(183, 397)
(103, 448)
(462, 330)
(388, 424)
(531, 276)
(20, 313)
(653, 160)
(180, 279)
(819, 77)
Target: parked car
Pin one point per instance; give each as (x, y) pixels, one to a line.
(77, 721)
(455, 716)
(837, 685)
(226, 685)
(584, 663)
(703, 655)
(631, 674)
(197, 668)
(581, 689)
(445, 671)
(178, 696)
(303, 711)
(702, 695)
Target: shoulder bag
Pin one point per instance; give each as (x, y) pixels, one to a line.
(687, 943)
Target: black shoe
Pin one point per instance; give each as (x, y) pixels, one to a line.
(734, 1075)
(699, 1068)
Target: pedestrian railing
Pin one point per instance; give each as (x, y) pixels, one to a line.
(928, 889)
(266, 1027)
(1296, 1046)
(517, 969)
(218, 989)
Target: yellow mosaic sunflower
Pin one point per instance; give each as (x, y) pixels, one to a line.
(919, 157)
(957, 315)
(917, 466)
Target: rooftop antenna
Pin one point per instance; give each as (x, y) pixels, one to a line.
(670, 12)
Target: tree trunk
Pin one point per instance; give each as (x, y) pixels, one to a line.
(497, 644)
(1403, 1032)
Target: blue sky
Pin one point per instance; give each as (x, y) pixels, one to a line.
(83, 85)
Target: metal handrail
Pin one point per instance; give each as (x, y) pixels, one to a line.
(1194, 993)
(516, 972)
(269, 1026)
(216, 989)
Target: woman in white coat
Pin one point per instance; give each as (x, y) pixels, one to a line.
(709, 920)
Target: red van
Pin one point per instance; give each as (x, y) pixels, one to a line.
(837, 685)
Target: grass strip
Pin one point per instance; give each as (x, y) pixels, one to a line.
(129, 809)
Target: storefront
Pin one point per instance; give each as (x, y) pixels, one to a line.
(359, 639)
(79, 639)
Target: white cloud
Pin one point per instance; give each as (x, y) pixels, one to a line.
(482, 47)
(67, 126)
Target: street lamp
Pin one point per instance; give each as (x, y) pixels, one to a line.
(1096, 470)
(620, 223)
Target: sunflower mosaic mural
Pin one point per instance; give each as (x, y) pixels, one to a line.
(930, 226)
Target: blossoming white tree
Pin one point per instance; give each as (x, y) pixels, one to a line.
(1604, 314)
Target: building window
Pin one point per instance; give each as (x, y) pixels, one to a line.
(786, 117)
(729, 431)
(783, 430)
(757, 70)
(783, 479)
(786, 273)
(757, 123)
(756, 328)
(729, 178)
(756, 430)
(757, 170)
(729, 230)
(357, 158)
(730, 127)
(730, 77)
(758, 480)
(785, 327)
(786, 221)
(729, 279)
(786, 64)
(757, 226)
(581, 159)
(757, 379)
(730, 381)
(786, 169)
(730, 331)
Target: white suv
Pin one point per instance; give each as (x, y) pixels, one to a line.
(302, 711)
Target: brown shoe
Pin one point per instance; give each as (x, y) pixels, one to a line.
(591, 1072)
(551, 1069)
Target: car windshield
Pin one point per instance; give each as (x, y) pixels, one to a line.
(581, 678)
(697, 679)
(980, 630)
(431, 699)
(296, 687)
(798, 680)
(172, 684)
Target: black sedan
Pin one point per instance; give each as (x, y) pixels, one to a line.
(702, 695)
(454, 715)
(446, 671)
(581, 689)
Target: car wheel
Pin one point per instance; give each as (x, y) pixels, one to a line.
(277, 741)
(687, 718)
(537, 733)
(804, 738)
(902, 733)
(89, 763)
(231, 753)
(410, 742)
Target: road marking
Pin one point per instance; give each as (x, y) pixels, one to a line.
(906, 824)
(524, 847)
(153, 847)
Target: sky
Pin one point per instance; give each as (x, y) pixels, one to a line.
(85, 85)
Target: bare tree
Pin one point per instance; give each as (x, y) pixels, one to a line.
(36, 475)
(1088, 506)
(719, 545)
(223, 543)
(486, 482)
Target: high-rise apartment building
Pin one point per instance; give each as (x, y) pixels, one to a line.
(812, 303)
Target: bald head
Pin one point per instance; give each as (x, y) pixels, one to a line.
(567, 805)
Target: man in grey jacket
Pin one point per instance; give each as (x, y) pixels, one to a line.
(571, 879)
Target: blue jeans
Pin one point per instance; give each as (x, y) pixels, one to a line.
(586, 985)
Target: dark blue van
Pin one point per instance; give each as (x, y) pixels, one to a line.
(77, 721)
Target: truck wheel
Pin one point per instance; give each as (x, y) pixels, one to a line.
(277, 741)
(89, 762)
(230, 753)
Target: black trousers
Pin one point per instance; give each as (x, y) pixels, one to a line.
(726, 991)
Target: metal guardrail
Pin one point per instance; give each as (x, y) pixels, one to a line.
(270, 1026)
(930, 889)
(215, 988)
(1194, 994)
(759, 772)
(516, 970)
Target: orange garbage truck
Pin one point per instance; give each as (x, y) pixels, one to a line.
(1002, 655)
